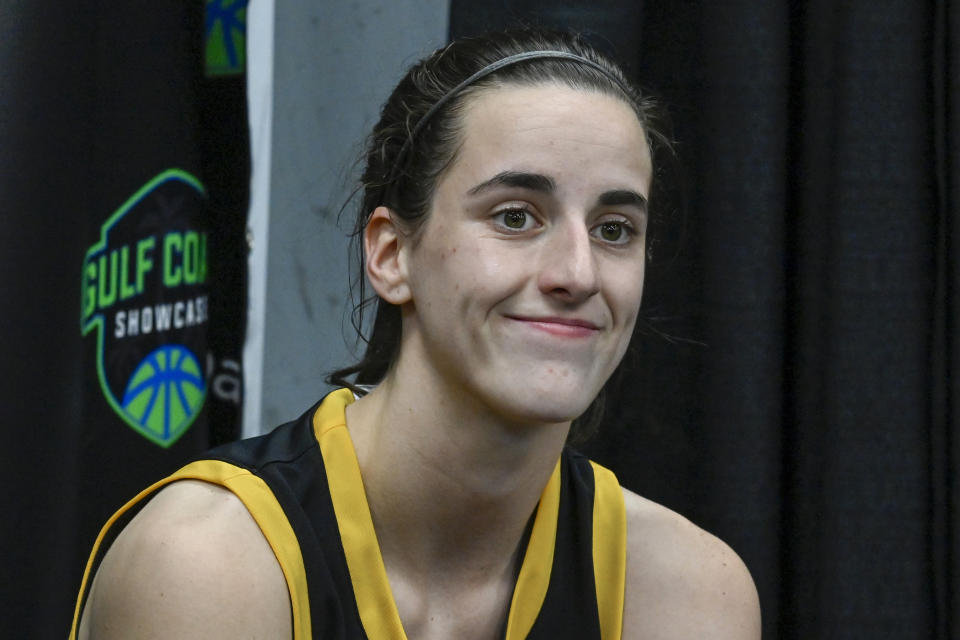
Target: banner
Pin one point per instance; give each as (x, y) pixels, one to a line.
(123, 175)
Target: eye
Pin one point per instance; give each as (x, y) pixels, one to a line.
(515, 219)
(614, 231)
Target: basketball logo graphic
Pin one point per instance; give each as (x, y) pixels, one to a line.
(144, 296)
(225, 35)
(165, 391)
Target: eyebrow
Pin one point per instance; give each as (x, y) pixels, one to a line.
(522, 179)
(545, 184)
(623, 197)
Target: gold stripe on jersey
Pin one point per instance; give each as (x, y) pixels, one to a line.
(534, 577)
(609, 550)
(378, 611)
(266, 511)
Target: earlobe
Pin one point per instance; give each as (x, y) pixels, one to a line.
(383, 246)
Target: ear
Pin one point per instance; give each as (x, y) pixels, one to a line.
(383, 246)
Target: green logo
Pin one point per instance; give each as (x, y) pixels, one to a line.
(225, 37)
(144, 291)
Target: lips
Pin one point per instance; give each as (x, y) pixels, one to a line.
(559, 326)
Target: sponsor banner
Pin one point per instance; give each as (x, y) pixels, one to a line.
(144, 299)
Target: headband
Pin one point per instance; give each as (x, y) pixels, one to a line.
(485, 71)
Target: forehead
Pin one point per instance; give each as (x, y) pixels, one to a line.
(569, 134)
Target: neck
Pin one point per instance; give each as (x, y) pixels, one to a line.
(451, 487)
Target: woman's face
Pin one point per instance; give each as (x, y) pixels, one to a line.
(526, 278)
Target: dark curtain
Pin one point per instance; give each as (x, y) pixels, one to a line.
(792, 390)
(111, 204)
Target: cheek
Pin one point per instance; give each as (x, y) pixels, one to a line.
(473, 268)
(626, 310)
(624, 290)
(443, 272)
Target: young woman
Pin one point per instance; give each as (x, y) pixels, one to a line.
(503, 226)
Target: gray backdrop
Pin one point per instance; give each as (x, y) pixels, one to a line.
(334, 65)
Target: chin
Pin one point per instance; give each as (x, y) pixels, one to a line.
(535, 405)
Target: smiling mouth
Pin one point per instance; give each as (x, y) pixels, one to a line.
(559, 326)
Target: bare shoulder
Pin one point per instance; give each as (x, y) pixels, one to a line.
(192, 564)
(683, 582)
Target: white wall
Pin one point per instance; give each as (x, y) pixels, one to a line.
(333, 65)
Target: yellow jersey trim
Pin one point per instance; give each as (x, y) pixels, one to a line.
(266, 511)
(609, 550)
(378, 611)
(534, 577)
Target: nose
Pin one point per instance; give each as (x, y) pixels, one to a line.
(568, 265)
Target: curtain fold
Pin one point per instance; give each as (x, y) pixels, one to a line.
(863, 309)
(945, 437)
(741, 184)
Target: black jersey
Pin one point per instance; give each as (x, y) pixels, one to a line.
(302, 485)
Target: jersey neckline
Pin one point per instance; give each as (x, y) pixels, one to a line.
(375, 602)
